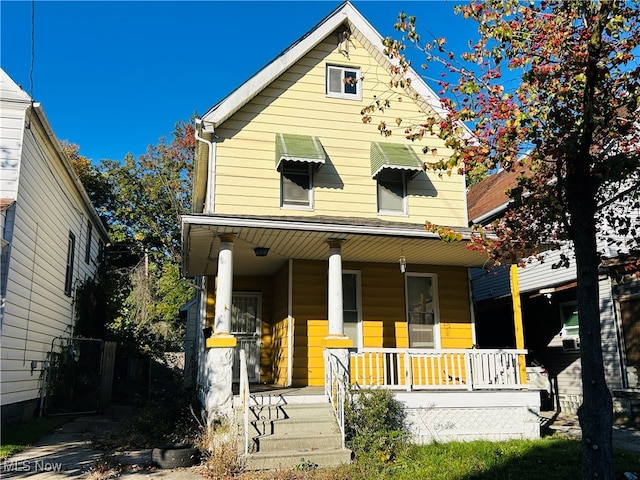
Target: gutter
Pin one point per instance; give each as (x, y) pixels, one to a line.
(228, 221)
(491, 213)
(208, 203)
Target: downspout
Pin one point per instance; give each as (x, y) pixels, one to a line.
(290, 326)
(209, 197)
(472, 309)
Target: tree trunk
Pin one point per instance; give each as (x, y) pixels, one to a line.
(596, 412)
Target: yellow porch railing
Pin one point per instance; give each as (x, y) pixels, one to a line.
(436, 369)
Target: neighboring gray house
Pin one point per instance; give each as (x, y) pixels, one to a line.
(52, 239)
(548, 297)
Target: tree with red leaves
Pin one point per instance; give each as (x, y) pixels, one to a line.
(572, 119)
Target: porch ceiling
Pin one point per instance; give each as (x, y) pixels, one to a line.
(365, 241)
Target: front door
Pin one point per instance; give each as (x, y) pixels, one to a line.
(245, 326)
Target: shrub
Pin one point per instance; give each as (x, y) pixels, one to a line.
(219, 446)
(375, 426)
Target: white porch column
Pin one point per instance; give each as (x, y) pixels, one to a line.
(224, 286)
(221, 345)
(336, 340)
(335, 310)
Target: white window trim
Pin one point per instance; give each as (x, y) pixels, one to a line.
(436, 308)
(311, 195)
(357, 273)
(342, 95)
(405, 203)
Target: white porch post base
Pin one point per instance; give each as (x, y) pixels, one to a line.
(219, 396)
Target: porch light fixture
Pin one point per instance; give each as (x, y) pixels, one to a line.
(403, 264)
(261, 251)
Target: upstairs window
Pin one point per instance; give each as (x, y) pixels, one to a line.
(296, 179)
(297, 157)
(71, 252)
(392, 192)
(393, 165)
(344, 82)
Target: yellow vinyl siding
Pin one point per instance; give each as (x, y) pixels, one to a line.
(383, 311)
(246, 178)
(279, 360)
(309, 304)
(317, 331)
(280, 351)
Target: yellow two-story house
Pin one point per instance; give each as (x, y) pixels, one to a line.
(308, 232)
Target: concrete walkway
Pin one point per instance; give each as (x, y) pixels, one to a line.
(69, 453)
(567, 424)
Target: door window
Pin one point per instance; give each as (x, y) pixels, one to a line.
(351, 306)
(422, 311)
(245, 326)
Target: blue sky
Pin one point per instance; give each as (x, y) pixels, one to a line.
(115, 76)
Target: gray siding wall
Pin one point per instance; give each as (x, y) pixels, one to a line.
(48, 207)
(13, 105)
(535, 275)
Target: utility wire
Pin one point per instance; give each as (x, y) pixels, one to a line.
(33, 54)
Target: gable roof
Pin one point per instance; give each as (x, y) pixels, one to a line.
(488, 199)
(10, 90)
(12, 93)
(360, 28)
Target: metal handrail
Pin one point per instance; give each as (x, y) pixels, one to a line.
(244, 397)
(335, 387)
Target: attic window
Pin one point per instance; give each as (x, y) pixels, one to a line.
(344, 82)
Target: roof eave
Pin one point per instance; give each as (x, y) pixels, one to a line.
(286, 224)
(39, 112)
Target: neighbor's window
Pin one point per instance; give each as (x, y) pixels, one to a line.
(570, 323)
(296, 185)
(87, 248)
(68, 279)
(344, 82)
(392, 192)
(351, 306)
(422, 314)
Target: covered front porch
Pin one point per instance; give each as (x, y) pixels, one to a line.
(389, 301)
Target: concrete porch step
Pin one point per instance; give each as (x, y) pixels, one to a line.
(279, 442)
(299, 426)
(287, 431)
(293, 458)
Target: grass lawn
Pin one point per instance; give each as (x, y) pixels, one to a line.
(550, 458)
(16, 439)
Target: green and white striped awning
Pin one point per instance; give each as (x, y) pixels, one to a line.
(299, 148)
(393, 156)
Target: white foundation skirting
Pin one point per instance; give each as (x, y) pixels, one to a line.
(465, 416)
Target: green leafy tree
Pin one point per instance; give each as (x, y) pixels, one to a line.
(150, 194)
(572, 117)
(141, 200)
(94, 182)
